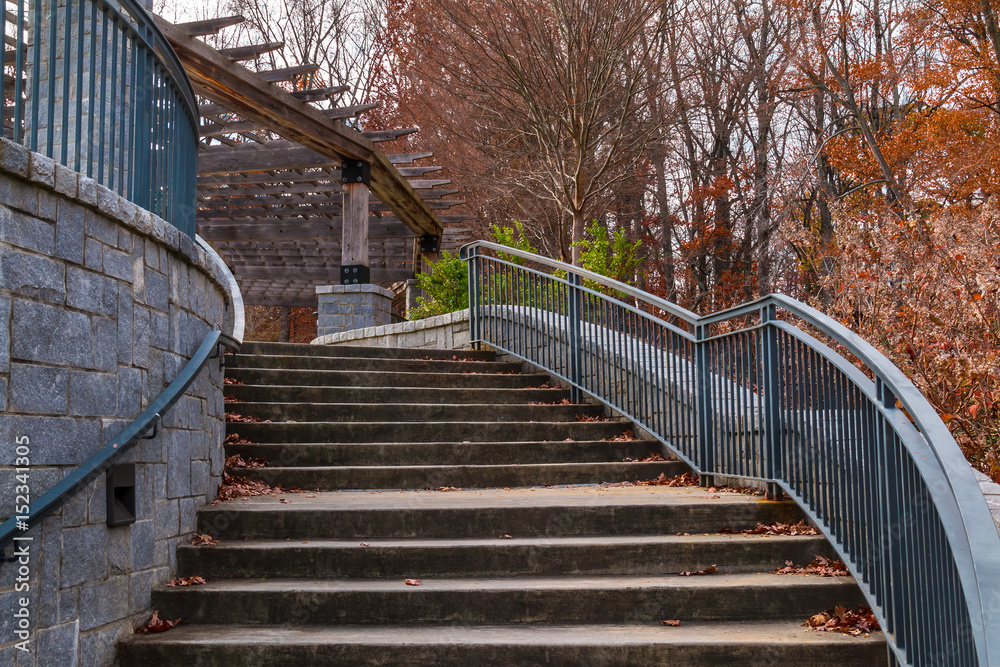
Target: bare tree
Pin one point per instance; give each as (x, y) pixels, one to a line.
(561, 80)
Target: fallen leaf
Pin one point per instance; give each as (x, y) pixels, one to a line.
(505, 536)
(711, 569)
(203, 540)
(820, 566)
(365, 544)
(156, 624)
(284, 500)
(186, 581)
(673, 624)
(842, 619)
(414, 582)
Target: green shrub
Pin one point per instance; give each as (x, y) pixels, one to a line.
(446, 287)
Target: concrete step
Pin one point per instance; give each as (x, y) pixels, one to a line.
(492, 557)
(305, 349)
(324, 363)
(692, 644)
(580, 599)
(441, 453)
(412, 412)
(487, 513)
(328, 478)
(299, 377)
(383, 395)
(416, 431)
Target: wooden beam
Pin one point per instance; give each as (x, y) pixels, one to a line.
(354, 249)
(251, 51)
(254, 98)
(209, 26)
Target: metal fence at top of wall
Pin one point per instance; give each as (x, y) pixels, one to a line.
(749, 393)
(95, 86)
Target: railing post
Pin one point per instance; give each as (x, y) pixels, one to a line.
(769, 400)
(474, 300)
(703, 404)
(575, 337)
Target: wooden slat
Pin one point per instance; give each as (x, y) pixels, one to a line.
(209, 26)
(329, 276)
(252, 97)
(339, 113)
(249, 52)
(271, 299)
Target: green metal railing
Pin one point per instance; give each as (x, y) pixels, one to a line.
(749, 393)
(94, 85)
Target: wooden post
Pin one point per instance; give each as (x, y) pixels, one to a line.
(355, 266)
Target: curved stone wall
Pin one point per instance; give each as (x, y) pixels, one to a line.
(101, 305)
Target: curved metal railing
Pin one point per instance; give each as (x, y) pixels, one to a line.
(94, 85)
(746, 393)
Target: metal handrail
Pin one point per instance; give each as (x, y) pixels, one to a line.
(235, 295)
(863, 453)
(97, 88)
(97, 464)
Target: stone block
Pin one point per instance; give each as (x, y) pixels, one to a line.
(99, 646)
(166, 517)
(92, 394)
(140, 587)
(77, 543)
(171, 237)
(74, 510)
(48, 334)
(57, 645)
(119, 551)
(93, 254)
(157, 290)
(159, 332)
(188, 517)
(26, 231)
(141, 542)
(201, 479)
(69, 605)
(102, 229)
(178, 451)
(107, 202)
(31, 275)
(42, 169)
(65, 181)
(54, 440)
(104, 338)
(38, 389)
(124, 325)
(48, 205)
(91, 291)
(87, 190)
(70, 231)
(118, 264)
(14, 158)
(129, 393)
(103, 602)
(187, 247)
(19, 195)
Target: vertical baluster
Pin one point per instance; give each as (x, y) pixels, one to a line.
(19, 74)
(67, 43)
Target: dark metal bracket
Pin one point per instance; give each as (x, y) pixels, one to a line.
(355, 274)
(156, 427)
(429, 243)
(356, 171)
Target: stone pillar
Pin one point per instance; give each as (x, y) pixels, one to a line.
(346, 307)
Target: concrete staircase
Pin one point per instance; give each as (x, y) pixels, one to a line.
(513, 571)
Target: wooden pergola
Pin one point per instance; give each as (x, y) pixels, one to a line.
(293, 213)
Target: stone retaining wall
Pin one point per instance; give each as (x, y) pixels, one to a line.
(101, 305)
(443, 332)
